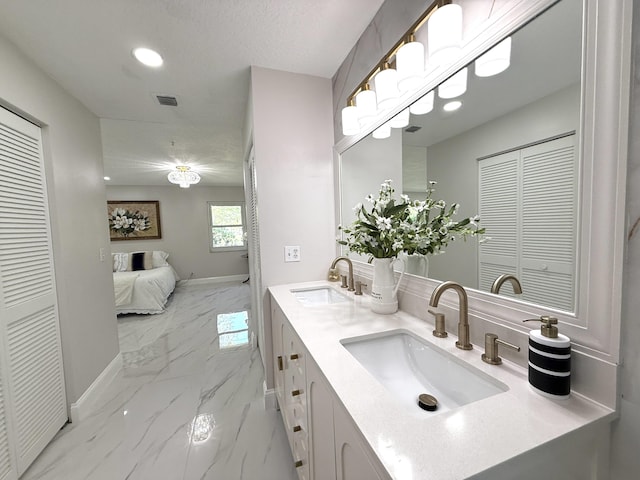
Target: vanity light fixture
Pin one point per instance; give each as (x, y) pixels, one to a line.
(183, 176)
(452, 106)
(423, 105)
(148, 57)
(495, 61)
(401, 70)
(454, 86)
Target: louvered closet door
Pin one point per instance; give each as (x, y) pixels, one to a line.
(31, 354)
(255, 272)
(499, 191)
(549, 203)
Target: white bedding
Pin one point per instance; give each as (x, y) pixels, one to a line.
(144, 291)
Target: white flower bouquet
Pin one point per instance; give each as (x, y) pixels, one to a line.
(393, 226)
(126, 223)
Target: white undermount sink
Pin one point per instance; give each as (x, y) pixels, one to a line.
(319, 296)
(408, 366)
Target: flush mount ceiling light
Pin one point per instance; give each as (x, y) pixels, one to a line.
(148, 57)
(452, 106)
(183, 176)
(495, 61)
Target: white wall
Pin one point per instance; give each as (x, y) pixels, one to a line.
(454, 165)
(293, 139)
(73, 163)
(185, 228)
(625, 461)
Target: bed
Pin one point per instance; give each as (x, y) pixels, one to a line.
(142, 281)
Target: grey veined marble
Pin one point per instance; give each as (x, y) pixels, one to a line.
(187, 404)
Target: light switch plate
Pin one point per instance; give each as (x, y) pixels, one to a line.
(292, 254)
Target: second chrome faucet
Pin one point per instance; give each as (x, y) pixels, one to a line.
(463, 341)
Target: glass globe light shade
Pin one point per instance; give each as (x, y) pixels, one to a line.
(383, 131)
(401, 120)
(423, 105)
(387, 93)
(495, 61)
(367, 105)
(350, 120)
(444, 34)
(410, 66)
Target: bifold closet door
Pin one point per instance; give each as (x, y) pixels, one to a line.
(30, 357)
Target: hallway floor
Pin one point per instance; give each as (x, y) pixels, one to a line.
(187, 405)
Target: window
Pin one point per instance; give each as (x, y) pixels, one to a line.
(227, 226)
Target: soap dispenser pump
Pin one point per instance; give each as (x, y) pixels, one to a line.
(549, 359)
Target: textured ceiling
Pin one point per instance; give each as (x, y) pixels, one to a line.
(208, 47)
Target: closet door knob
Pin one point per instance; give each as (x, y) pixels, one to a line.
(298, 464)
(297, 428)
(294, 356)
(295, 393)
(280, 364)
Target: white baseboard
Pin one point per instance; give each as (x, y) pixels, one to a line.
(82, 408)
(270, 400)
(227, 279)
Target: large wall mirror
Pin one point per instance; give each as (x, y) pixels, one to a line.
(510, 153)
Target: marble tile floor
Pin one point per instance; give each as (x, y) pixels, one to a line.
(183, 407)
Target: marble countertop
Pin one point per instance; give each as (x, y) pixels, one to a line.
(489, 431)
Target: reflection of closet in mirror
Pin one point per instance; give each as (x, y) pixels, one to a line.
(528, 201)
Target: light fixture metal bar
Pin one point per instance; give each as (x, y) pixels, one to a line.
(389, 57)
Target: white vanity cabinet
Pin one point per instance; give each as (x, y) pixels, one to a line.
(324, 441)
(291, 389)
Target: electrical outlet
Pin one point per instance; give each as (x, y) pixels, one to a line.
(292, 254)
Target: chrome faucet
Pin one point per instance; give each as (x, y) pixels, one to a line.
(515, 283)
(463, 323)
(350, 288)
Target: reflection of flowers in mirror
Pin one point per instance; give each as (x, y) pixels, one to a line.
(126, 223)
(411, 226)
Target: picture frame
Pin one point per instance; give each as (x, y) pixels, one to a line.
(134, 219)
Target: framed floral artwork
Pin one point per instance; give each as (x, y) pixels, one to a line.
(134, 220)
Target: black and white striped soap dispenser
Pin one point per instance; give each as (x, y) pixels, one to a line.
(549, 359)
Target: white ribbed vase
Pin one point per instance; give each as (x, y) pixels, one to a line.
(384, 288)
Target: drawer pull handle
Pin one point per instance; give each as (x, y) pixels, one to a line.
(298, 464)
(297, 428)
(280, 364)
(295, 393)
(294, 356)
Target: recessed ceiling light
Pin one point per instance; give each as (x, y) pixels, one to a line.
(452, 106)
(148, 57)
(107, 178)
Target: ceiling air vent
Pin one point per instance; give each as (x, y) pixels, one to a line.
(167, 100)
(412, 129)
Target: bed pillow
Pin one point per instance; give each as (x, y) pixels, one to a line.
(159, 259)
(120, 261)
(140, 261)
